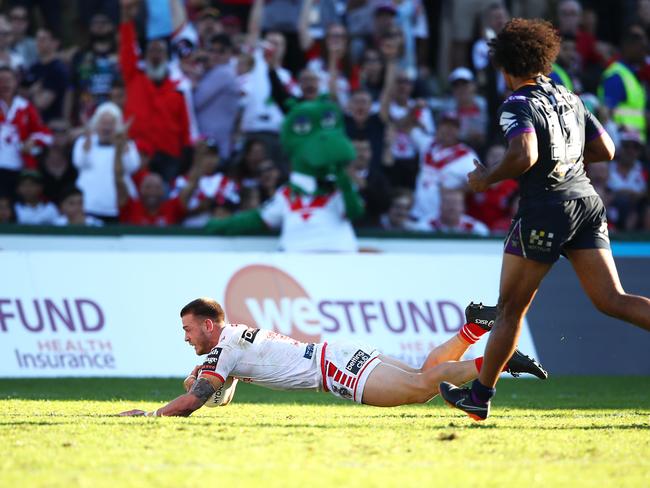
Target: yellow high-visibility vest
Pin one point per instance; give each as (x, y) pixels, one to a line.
(631, 112)
(565, 79)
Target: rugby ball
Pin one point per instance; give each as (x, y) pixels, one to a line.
(224, 395)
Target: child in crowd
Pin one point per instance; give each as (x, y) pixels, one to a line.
(31, 207)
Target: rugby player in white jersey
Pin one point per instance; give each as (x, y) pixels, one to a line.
(349, 370)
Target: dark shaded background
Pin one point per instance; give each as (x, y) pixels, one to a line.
(572, 337)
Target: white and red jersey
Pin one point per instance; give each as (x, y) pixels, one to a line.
(216, 187)
(310, 223)
(403, 146)
(440, 166)
(272, 360)
(18, 123)
(265, 358)
(466, 225)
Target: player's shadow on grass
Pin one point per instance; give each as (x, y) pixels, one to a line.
(563, 393)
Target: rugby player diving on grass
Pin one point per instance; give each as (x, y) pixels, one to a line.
(349, 370)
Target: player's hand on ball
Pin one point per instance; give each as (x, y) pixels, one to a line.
(132, 413)
(191, 378)
(188, 382)
(477, 179)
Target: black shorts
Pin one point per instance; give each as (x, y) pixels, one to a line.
(542, 232)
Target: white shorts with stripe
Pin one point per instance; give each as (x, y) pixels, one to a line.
(345, 367)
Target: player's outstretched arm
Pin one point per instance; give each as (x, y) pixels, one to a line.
(184, 405)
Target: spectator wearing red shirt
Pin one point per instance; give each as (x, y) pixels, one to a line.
(152, 207)
(494, 206)
(22, 133)
(161, 127)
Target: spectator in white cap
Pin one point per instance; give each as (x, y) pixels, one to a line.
(470, 107)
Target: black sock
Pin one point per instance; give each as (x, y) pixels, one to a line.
(481, 394)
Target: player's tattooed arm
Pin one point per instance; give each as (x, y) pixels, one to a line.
(186, 404)
(202, 389)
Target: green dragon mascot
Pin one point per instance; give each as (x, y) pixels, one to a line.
(315, 209)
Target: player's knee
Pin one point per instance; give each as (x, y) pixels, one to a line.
(424, 396)
(611, 304)
(422, 391)
(509, 311)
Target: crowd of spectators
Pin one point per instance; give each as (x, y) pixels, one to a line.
(168, 112)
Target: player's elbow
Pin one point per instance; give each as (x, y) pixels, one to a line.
(609, 149)
(601, 149)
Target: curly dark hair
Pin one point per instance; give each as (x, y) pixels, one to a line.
(526, 47)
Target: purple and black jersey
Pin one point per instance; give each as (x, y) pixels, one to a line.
(563, 125)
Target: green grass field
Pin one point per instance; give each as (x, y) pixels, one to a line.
(563, 432)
